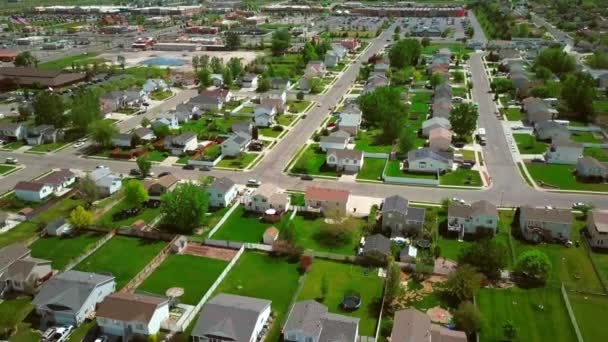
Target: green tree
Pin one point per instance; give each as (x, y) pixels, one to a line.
(425, 42)
(135, 193)
(468, 318)
(80, 218)
(487, 255)
(184, 208)
(463, 119)
(533, 265)
(502, 85)
(25, 59)
(216, 65)
(458, 76)
(85, 109)
(281, 40)
(102, 132)
(145, 122)
(203, 61)
(195, 63)
(543, 73)
(463, 284)
(338, 230)
(161, 131)
(309, 53)
(556, 60)
(578, 92)
(233, 41)
(406, 141)
(404, 53)
(300, 96)
(88, 190)
(204, 77)
(235, 66)
(316, 85)
(49, 109)
(227, 76)
(144, 165)
(263, 85)
(437, 79)
(393, 284)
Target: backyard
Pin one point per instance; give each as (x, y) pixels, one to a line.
(561, 176)
(195, 274)
(372, 169)
(62, 250)
(117, 257)
(306, 230)
(461, 177)
(346, 279)
(368, 141)
(527, 144)
(587, 308)
(513, 114)
(242, 226)
(598, 153)
(145, 214)
(586, 137)
(261, 276)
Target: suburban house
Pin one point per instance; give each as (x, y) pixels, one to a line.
(235, 144)
(543, 224)
(400, 218)
(187, 111)
(350, 161)
(376, 246)
(12, 131)
(280, 83)
(117, 99)
(39, 189)
(333, 142)
(107, 182)
(144, 134)
(381, 67)
(43, 134)
(440, 139)
(564, 151)
(536, 110)
(551, 130)
(158, 187)
(589, 167)
(350, 122)
(12, 253)
(228, 317)
(212, 99)
(274, 101)
(375, 81)
(250, 81)
(415, 326)
(310, 321)
(435, 122)
(315, 69)
(521, 82)
(122, 140)
(154, 84)
(350, 44)
(167, 119)
(477, 217)
(58, 227)
(69, 297)
(222, 192)
(597, 228)
(268, 196)
(443, 90)
(270, 235)
(427, 160)
(127, 314)
(178, 145)
(323, 199)
(25, 275)
(243, 127)
(331, 59)
(442, 107)
(264, 115)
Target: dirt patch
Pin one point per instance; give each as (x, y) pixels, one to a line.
(210, 252)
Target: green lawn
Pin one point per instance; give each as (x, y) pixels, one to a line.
(161, 95)
(157, 156)
(194, 274)
(527, 144)
(298, 106)
(601, 106)
(561, 176)
(297, 199)
(286, 119)
(587, 308)
(598, 153)
(312, 162)
(454, 47)
(6, 169)
(123, 257)
(14, 145)
(239, 162)
(366, 141)
(522, 307)
(306, 230)
(344, 279)
(261, 276)
(467, 154)
(514, 114)
(14, 311)
(242, 226)
(461, 177)
(601, 263)
(246, 110)
(585, 137)
(67, 62)
(372, 169)
(62, 250)
(269, 132)
(146, 214)
(43, 148)
(211, 125)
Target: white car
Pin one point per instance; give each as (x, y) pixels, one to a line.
(62, 333)
(254, 182)
(458, 200)
(82, 140)
(78, 144)
(579, 205)
(11, 160)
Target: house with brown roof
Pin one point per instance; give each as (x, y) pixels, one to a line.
(324, 199)
(544, 224)
(350, 161)
(39, 189)
(23, 77)
(440, 139)
(415, 326)
(162, 185)
(268, 196)
(597, 228)
(130, 314)
(470, 219)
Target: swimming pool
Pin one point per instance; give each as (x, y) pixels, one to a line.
(164, 61)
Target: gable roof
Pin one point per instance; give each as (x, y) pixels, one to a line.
(12, 253)
(599, 219)
(129, 307)
(29, 186)
(21, 269)
(306, 317)
(326, 195)
(377, 242)
(222, 185)
(345, 154)
(395, 203)
(426, 152)
(546, 215)
(590, 162)
(475, 209)
(56, 177)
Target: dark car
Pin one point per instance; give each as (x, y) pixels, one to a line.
(162, 174)
(306, 177)
(188, 167)
(135, 172)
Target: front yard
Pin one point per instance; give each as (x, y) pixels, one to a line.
(160, 95)
(598, 153)
(195, 274)
(461, 177)
(243, 226)
(240, 162)
(527, 144)
(50, 147)
(312, 162)
(62, 250)
(513, 114)
(157, 156)
(344, 279)
(586, 137)
(297, 107)
(372, 169)
(561, 176)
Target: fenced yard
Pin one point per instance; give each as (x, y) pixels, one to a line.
(61, 250)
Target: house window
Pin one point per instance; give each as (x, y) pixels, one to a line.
(139, 326)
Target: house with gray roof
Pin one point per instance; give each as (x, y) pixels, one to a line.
(114, 100)
(435, 122)
(400, 218)
(229, 317)
(564, 151)
(44, 134)
(310, 321)
(25, 275)
(280, 83)
(521, 82)
(428, 161)
(70, 297)
(536, 110)
(12, 253)
(350, 161)
(544, 224)
(350, 122)
(551, 130)
(333, 142)
(178, 145)
(12, 131)
(235, 144)
(58, 227)
(443, 90)
(375, 81)
(242, 127)
(589, 167)
(472, 218)
(597, 228)
(166, 119)
(106, 181)
(222, 192)
(376, 246)
(411, 325)
(144, 134)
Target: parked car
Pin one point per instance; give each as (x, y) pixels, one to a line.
(307, 177)
(204, 168)
(61, 334)
(254, 182)
(135, 172)
(11, 160)
(580, 206)
(458, 200)
(78, 144)
(188, 167)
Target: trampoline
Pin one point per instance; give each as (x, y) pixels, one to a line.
(423, 243)
(351, 302)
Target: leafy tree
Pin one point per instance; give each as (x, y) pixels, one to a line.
(227, 76)
(135, 193)
(195, 63)
(599, 60)
(204, 77)
(487, 255)
(85, 109)
(24, 112)
(380, 103)
(145, 122)
(233, 41)
(144, 165)
(338, 230)
(404, 53)
(161, 131)
(445, 204)
(393, 284)
(556, 60)
(300, 96)
(534, 265)
(235, 66)
(398, 29)
(49, 109)
(309, 53)
(458, 76)
(468, 318)
(463, 284)
(25, 59)
(80, 218)
(578, 92)
(263, 85)
(281, 40)
(203, 61)
(502, 85)
(406, 141)
(437, 79)
(184, 208)
(216, 65)
(88, 190)
(463, 119)
(102, 132)
(425, 42)
(316, 86)
(543, 73)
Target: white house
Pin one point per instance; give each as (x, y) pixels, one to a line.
(178, 145)
(168, 119)
(12, 131)
(250, 81)
(154, 84)
(264, 115)
(127, 314)
(310, 321)
(58, 227)
(333, 142)
(564, 151)
(544, 224)
(427, 160)
(32, 191)
(268, 196)
(468, 219)
(107, 182)
(235, 144)
(222, 192)
(350, 161)
(350, 122)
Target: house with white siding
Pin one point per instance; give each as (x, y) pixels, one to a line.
(130, 315)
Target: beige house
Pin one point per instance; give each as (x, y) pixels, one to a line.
(440, 139)
(324, 199)
(597, 228)
(267, 196)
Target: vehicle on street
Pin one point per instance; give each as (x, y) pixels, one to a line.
(458, 200)
(82, 140)
(306, 177)
(78, 144)
(101, 167)
(188, 167)
(580, 206)
(204, 168)
(135, 172)
(254, 182)
(48, 333)
(481, 135)
(11, 160)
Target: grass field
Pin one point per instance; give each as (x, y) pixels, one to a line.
(372, 169)
(461, 177)
(269, 132)
(312, 162)
(305, 236)
(297, 106)
(240, 162)
(242, 226)
(286, 119)
(587, 308)
(344, 279)
(194, 274)
(62, 250)
(6, 169)
(14, 311)
(157, 156)
(522, 308)
(600, 154)
(585, 137)
(50, 147)
(123, 257)
(561, 176)
(261, 276)
(366, 141)
(527, 144)
(67, 62)
(146, 214)
(513, 114)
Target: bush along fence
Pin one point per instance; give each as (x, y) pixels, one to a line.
(90, 251)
